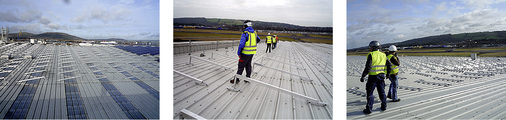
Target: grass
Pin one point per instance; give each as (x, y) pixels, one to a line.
(320, 36)
(206, 36)
(206, 30)
(318, 41)
(498, 54)
(211, 35)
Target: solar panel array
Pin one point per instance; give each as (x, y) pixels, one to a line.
(141, 50)
(77, 82)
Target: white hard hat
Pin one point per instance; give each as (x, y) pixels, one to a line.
(392, 48)
(269, 33)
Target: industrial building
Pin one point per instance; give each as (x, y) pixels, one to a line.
(434, 88)
(77, 82)
(294, 81)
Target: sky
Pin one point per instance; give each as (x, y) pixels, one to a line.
(89, 19)
(298, 12)
(390, 21)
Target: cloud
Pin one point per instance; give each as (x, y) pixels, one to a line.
(54, 26)
(105, 15)
(24, 17)
(44, 20)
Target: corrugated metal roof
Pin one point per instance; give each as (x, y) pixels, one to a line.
(435, 88)
(263, 98)
(65, 82)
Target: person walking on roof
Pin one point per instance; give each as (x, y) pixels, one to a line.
(274, 42)
(376, 66)
(392, 56)
(247, 48)
(269, 42)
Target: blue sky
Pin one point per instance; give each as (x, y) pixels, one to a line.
(127, 19)
(298, 12)
(390, 21)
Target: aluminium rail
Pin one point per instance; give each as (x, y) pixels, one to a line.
(307, 98)
(197, 81)
(186, 113)
(302, 77)
(36, 78)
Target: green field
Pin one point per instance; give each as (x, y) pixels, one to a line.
(180, 34)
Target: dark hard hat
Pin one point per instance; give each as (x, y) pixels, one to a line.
(374, 44)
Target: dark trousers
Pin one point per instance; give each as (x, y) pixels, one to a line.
(377, 81)
(246, 62)
(274, 46)
(268, 48)
(392, 91)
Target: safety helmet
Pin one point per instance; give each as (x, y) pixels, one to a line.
(248, 23)
(275, 35)
(268, 33)
(374, 44)
(392, 48)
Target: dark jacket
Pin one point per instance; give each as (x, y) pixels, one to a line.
(368, 66)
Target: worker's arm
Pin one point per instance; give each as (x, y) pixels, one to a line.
(395, 61)
(244, 38)
(258, 39)
(368, 66)
(389, 68)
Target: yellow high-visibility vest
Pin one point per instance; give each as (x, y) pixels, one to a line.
(379, 60)
(250, 47)
(395, 68)
(269, 39)
(274, 40)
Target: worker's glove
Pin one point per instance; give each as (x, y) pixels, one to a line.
(362, 79)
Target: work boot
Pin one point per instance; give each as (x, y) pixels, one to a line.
(383, 108)
(389, 97)
(396, 100)
(366, 111)
(237, 79)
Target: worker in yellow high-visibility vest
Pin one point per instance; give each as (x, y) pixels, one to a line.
(247, 48)
(269, 42)
(274, 42)
(392, 57)
(376, 66)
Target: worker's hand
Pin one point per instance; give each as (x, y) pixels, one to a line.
(239, 56)
(362, 79)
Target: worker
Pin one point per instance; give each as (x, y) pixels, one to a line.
(376, 66)
(247, 48)
(274, 42)
(392, 56)
(269, 42)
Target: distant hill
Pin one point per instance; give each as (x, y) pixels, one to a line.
(476, 39)
(24, 35)
(233, 24)
(56, 35)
